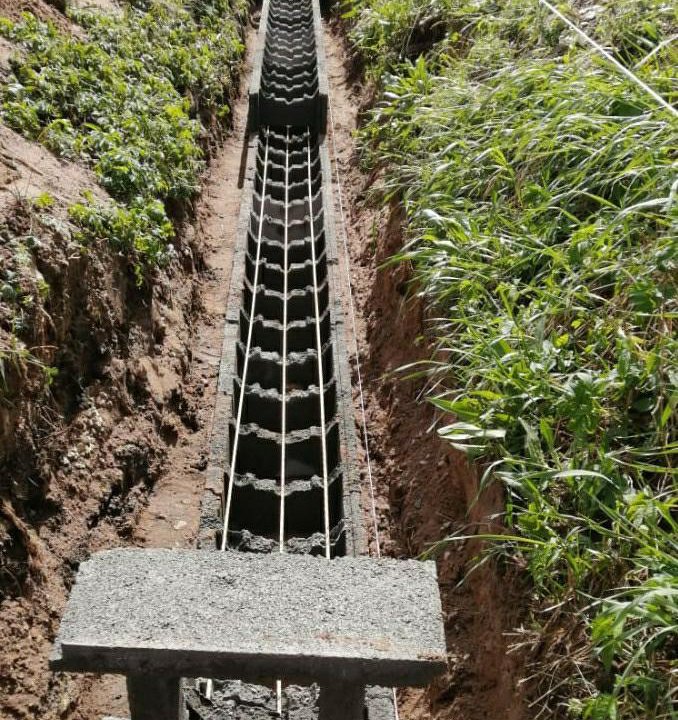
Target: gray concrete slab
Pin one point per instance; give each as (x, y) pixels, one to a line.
(254, 617)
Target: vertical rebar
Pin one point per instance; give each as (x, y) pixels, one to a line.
(319, 350)
(226, 505)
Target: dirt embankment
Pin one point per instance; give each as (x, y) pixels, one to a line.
(106, 393)
(52, 10)
(96, 397)
(86, 422)
(425, 490)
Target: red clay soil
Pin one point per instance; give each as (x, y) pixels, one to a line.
(424, 488)
(118, 461)
(135, 431)
(172, 515)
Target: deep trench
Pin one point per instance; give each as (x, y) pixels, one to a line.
(283, 426)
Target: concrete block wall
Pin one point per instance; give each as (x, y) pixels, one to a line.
(288, 99)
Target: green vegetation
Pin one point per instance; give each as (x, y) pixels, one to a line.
(23, 292)
(542, 228)
(132, 99)
(134, 96)
(140, 228)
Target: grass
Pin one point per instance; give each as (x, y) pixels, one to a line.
(541, 197)
(23, 294)
(134, 100)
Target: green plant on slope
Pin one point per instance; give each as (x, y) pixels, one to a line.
(138, 230)
(542, 205)
(23, 291)
(129, 99)
(386, 32)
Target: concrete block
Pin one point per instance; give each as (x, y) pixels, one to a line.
(342, 701)
(379, 703)
(254, 617)
(155, 697)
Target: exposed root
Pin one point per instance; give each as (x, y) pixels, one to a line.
(31, 545)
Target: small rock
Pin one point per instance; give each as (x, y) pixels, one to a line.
(200, 463)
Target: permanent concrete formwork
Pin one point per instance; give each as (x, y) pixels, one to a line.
(286, 221)
(255, 485)
(289, 83)
(254, 604)
(256, 494)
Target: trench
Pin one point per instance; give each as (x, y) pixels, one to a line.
(282, 473)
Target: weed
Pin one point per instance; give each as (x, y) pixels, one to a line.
(540, 193)
(141, 231)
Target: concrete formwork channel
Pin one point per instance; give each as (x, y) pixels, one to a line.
(282, 475)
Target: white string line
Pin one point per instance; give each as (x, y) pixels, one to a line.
(248, 348)
(319, 348)
(283, 358)
(357, 353)
(283, 381)
(610, 58)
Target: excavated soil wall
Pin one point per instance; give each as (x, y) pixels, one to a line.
(104, 427)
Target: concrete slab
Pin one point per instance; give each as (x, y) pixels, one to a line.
(254, 617)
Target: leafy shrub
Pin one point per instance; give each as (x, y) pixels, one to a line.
(128, 99)
(141, 231)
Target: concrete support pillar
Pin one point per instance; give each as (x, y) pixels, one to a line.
(342, 701)
(155, 697)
